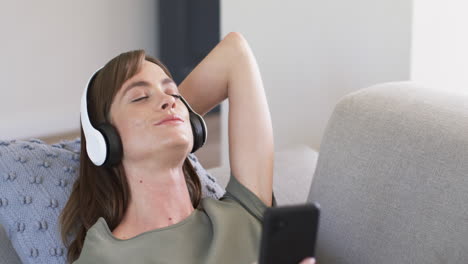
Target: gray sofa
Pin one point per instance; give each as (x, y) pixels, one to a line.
(391, 178)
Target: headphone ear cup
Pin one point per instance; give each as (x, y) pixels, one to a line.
(199, 131)
(114, 150)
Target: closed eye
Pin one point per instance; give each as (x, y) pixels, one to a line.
(139, 99)
(144, 97)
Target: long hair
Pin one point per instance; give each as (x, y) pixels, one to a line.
(99, 191)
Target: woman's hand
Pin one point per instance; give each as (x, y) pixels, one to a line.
(308, 261)
(304, 261)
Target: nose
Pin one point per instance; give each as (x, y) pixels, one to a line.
(168, 101)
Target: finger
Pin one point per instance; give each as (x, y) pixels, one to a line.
(308, 261)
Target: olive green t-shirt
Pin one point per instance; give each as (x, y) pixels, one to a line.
(225, 231)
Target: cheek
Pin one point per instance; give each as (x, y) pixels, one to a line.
(133, 129)
(189, 133)
(135, 123)
(128, 127)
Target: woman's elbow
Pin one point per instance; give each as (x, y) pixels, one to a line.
(237, 42)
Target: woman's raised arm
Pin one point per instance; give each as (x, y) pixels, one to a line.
(207, 85)
(230, 71)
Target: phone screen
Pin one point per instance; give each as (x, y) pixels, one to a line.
(289, 233)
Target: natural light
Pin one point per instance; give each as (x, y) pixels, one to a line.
(440, 43)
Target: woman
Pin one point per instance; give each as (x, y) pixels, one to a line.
(148, 207)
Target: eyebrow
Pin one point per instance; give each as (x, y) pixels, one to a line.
(145, 83)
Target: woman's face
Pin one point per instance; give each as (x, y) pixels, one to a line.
(142, 102)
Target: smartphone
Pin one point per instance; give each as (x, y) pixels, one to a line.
(289, 233)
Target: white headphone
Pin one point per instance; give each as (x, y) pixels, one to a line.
(95, 141)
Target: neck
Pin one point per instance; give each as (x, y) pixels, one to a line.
(159, 198)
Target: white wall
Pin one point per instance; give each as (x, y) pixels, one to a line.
(50, 48)
(439, 52)
(311, 53)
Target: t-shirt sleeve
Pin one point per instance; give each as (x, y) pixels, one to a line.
(249, 200)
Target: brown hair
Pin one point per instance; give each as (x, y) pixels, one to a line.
(99, 191)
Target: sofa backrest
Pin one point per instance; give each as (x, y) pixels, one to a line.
(392, 177)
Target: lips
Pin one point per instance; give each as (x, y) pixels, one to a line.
(169, 118)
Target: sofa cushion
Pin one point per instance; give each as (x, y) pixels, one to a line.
(35, 182)
(293, 171)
